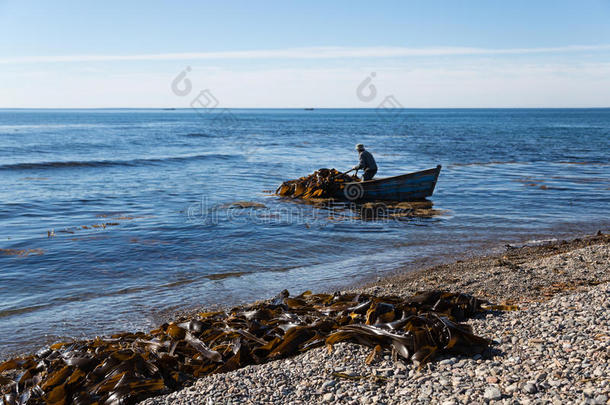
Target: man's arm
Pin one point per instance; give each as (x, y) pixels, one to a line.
(361, 164)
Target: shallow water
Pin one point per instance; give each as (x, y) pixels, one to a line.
(109, 218)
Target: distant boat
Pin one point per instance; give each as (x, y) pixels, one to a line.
(169, 109)
(309, 109)
(406, 187)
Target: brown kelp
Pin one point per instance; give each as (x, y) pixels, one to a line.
(21, 252)
(397, 210)
(128, 367)
(323, 183)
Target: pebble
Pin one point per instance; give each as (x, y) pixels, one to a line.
(602, 399)
(328, 384)
(530, 388)
(492, 392)
(569, 365)
(512, 388)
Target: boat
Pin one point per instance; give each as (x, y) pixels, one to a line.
(406, 187)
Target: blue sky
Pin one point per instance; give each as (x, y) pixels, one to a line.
(314, 53)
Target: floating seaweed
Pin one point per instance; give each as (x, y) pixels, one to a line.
(102, 225)
(72, 230)
(323, 183)
(397, 210)
(21, 252)
(128, 367)
(243, 205)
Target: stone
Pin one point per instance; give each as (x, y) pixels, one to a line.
(328, 384)
(492, 392)
(601, 399)
(530, 388)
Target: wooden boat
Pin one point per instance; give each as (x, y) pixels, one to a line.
(406, 187)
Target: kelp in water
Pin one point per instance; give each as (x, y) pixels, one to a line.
(128, 367)
(323, 183)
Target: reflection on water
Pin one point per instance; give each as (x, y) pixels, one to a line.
(110, 218)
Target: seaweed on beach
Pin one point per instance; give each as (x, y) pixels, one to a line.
(323, 183)
(128, 367)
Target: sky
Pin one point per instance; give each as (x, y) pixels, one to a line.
(289, 54)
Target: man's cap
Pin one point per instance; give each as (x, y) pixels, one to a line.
(359, 146)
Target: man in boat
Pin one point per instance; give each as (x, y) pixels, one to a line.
(367, 163)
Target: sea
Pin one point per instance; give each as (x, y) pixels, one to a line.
(116, 219)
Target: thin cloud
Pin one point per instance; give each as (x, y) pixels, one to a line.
(425, 84)
(307, 53)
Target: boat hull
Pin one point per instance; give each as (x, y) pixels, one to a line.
(407, 187)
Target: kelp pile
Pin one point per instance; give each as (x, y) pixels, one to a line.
(323, 183)
(128, 367)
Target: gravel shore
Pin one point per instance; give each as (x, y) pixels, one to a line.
(554, 350)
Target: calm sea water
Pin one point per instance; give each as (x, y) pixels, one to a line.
(111, 218)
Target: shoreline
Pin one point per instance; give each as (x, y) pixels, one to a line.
(506, 263)
(487, 249)
(540, 272)
(484, 249)
(415, 266)
(559, 274)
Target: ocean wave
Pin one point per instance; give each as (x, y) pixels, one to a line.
(18, 127)
(199, 135)
(492, 162)
(104, 163)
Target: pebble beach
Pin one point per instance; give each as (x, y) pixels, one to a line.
(305, 203)
(554, 349)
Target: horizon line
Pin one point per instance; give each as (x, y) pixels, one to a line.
(329, 52)
(303, 108)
